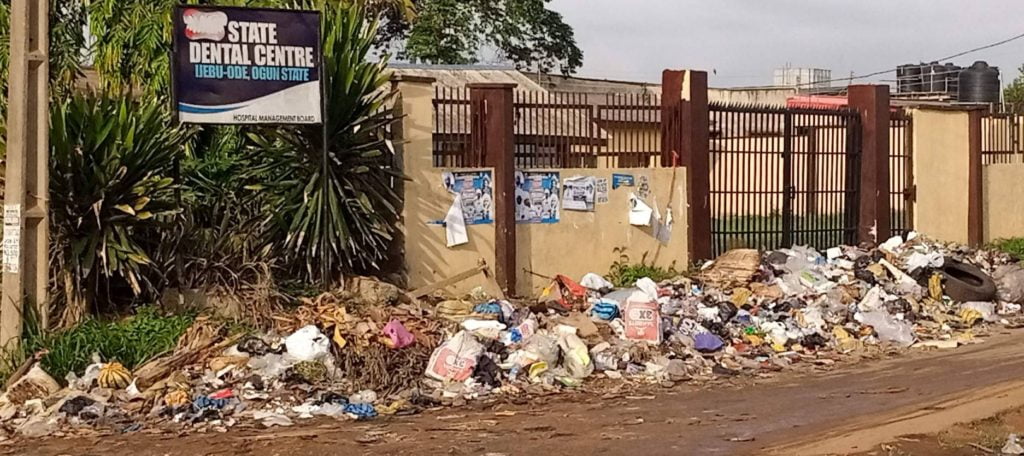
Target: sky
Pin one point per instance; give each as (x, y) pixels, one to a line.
(740, 42)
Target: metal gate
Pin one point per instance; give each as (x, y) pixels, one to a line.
(783, 176)
(902, 192)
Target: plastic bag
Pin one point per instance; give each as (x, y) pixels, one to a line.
(485, 329)
(540, 347)
(596, 282)
(307, 344)
(455, 359)
(888, 328)
(521, 332)
(642, 318)
(986, 309)
(398, 335)
(649, 288)
(1010, 283)
(575, 356)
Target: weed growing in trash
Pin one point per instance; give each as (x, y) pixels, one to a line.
(1012, 246)
(623, 273)
(130, 341)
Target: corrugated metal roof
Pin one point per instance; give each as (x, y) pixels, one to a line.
(457, 76)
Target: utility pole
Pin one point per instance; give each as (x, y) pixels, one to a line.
(26, 208)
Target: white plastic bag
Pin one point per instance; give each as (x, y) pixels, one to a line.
(485, 329)
(575, 356)
(307, 344)
(888, 328)
(455, 359)
(986, 309)
(596, 282)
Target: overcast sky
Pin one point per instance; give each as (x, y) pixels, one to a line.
(744, 40)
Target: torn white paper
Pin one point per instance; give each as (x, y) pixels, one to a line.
(455, 224)
(639, 212)
(664, 228)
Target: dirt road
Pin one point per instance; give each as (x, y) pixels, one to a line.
(850, 409)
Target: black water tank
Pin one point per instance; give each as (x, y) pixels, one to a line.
(979, 84)
(901, 79)
(911, 78)
(938, 78)
(952, 75)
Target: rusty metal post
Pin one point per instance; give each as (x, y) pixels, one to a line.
(975, 203)
(693, 87)
(671, 117)
(872, 103)
(498, 121)
(26, 240)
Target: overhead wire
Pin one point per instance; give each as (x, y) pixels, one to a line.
(890, 70)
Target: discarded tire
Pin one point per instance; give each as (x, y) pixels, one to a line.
(966, 283)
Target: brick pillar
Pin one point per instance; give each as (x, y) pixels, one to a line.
(975, 203)
(496, 124)
(691, 137)
(872, 102)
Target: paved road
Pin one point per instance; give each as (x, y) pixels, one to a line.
(843, 410)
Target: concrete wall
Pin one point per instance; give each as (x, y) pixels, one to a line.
(775, 96)
(941, 153)
(1003, 192)
(583, 242)
(427, 258)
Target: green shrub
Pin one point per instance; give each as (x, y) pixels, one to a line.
(110, 162)
(345, 219)
(131, 341)
(623, 273)
(1013, 246)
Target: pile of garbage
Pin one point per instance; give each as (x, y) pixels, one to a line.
(745, 313)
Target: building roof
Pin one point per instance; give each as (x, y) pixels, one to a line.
(457, 76)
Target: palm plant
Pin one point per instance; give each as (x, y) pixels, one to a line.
(109, 186)
(339, 216)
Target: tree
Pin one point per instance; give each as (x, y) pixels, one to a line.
(525, 32)
(1013, 94)
(353, 230)
(67, 17)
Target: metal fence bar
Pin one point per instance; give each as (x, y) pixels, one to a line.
(783, 176)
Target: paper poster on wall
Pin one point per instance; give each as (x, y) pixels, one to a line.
(537, 197)
(601, 194)
(643, 188)
(622, 180)
(639, 212)
(12, 238)
(455, 224)
(579, 193)
(477, 195)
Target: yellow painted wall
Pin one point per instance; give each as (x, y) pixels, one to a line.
(427, 258)
(583, 242)
(941, 151)
(1003, 192)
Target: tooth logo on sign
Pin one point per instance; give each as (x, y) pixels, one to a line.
(205, 25)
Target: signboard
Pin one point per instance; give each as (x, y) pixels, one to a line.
(537, 197)
(246, 66)
(622, 180)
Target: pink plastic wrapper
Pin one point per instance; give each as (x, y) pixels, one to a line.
(400, 337)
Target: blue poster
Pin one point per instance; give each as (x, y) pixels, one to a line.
(477, 195)
(537, 197)
(622, 180)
